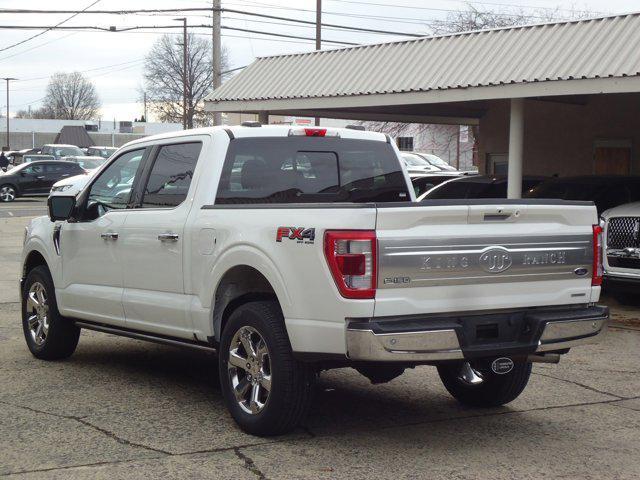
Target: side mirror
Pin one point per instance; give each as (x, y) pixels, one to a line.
(61, 207)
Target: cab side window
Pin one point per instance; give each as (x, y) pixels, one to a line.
(171, 175)
(113, 187)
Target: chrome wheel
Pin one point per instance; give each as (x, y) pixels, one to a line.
(38, 313)
(249, 369)
(7, 194)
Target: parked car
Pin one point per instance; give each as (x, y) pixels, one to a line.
(417, 164)
(87, 162)
(287, 271)
(424, 182)
(61, 150)
(436, 161)
(606, 191)
(622, 252)
(28, 158)
(34, 178)
(104, 152)
(477, 186)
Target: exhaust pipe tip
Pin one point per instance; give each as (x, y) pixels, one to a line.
(544, 358)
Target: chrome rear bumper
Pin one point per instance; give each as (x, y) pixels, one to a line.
(435, 344)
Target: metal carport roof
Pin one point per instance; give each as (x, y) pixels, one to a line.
(598, 55)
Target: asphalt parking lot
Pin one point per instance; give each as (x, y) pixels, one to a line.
(121, 408)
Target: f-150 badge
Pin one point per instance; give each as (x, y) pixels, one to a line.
(299, 234)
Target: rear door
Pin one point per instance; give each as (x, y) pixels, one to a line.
(452, 256)
(58, 171)
(152, 242)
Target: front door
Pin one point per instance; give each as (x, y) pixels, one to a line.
(152, 244)
(33, 179)
(91, 256)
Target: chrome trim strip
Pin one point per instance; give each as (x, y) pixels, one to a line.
(436, 345)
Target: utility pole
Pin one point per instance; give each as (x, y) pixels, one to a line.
(216, 48)
(8, 79)
(184, 71)
(318, 36)
(145, 106)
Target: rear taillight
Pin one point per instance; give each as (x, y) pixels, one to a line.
(351, 256)
(597, 270)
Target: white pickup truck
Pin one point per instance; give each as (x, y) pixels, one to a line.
(292, 250)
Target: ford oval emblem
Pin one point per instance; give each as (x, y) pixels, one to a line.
(495, 260)
(502, 366)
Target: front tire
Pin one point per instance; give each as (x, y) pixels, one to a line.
(49, 335)
(495, 390)
(267, 391)
(8, 193)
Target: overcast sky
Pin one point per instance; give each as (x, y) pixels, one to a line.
(114, 61)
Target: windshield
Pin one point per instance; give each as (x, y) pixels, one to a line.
(90, 164)
(412, 160)
(67, 151)
(435, 160)
(102, 152)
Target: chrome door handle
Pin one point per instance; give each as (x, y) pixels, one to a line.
(42, 177)
(109, 236)
(168, 237)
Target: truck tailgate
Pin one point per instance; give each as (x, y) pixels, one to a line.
(455, 256)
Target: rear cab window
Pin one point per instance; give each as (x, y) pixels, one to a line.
(310, 170)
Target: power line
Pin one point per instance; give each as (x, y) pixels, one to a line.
(87, 28)
(48, 29)
(223, 10)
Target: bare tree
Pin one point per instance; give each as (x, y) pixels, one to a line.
(70, 96)
(163, 79)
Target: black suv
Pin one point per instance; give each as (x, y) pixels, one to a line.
(606, 191)
(35, 178)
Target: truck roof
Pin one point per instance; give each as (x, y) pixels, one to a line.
(241, 131)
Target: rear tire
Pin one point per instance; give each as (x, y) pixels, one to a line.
(49, 335)
(267, 392)
(494, 391)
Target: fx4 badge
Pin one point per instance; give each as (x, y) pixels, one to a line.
(300, 234)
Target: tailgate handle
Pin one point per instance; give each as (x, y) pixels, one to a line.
(496, 217)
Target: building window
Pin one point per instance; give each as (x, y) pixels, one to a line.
(405, 144)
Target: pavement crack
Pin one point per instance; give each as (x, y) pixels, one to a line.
(120, 440)
(578, 384)
(249, 464)
(86, 423)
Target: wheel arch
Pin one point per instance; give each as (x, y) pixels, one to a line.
(239, 284)
(32, 260)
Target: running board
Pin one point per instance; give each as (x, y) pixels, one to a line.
(148, 337)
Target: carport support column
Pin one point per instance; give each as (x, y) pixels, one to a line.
(263, 118)
(516, 141)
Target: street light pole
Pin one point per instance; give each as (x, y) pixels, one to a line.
(216, 55)
(318, 38)
(8, 79)
(184, 71)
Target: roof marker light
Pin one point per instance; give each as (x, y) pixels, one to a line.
(312, 132)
